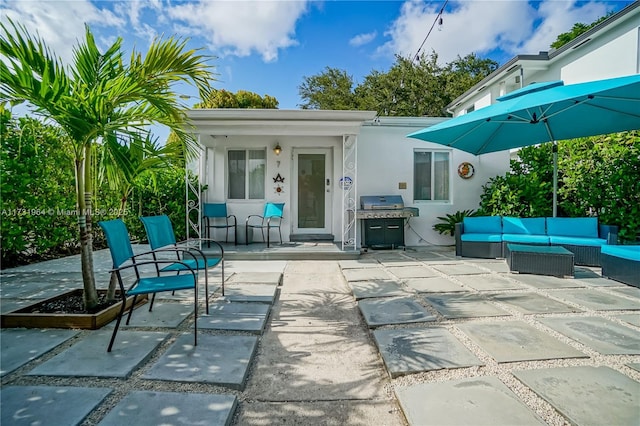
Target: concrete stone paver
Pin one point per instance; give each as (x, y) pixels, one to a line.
(254, 278)
(587, 395)
(633, 319)
(599, 334)
(458, 269)
(164, 314)
(48, 405)
(250, 317)
(628, 291)
(491, 282)
(533, 303)
(401, 310)
(414, 350)
(474, 401)
(433, 285)
(366, 274)
(223, 360)
(597, 300)
(89, 357)
(369, 289)
(547, 281)
(511, 341)
(242, 292)
(19, 346)
(412, 271)
(148, 408)
(317, 362)
(464, 305)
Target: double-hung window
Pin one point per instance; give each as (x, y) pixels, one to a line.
(431, 175)
(246, 170)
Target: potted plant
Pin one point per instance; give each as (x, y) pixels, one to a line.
(448, 222)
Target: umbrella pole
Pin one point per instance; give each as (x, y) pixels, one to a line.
(555, 178)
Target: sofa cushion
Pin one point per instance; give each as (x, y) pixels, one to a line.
(482, 224)
(586, 227)
(481, 238)
(526, 239)
(576, 241)
(624, 252)
(526, 225)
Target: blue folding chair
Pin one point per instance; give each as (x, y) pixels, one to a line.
(215, 216)
(162, 238)
(121, 252)
(270, 219)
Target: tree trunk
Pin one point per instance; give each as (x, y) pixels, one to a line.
(83, 185)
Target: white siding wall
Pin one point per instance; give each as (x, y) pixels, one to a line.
(385, 159)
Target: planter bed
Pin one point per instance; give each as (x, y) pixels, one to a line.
(26, 318)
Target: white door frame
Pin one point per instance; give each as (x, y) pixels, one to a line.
(328, 192)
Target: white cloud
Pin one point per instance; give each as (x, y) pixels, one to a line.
(483, 26)
(242, 27)
(59, 23)
(559, 17)
(362, 39)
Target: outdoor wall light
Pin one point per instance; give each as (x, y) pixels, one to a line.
(277, 149)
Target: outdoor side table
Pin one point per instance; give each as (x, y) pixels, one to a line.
(540, 260)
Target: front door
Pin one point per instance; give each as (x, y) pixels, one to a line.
(312, 191)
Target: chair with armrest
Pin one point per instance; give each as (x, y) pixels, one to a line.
(123, 258)
(216, 216)
(162, 237)
(271, 219)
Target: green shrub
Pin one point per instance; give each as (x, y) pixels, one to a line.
(448, 222)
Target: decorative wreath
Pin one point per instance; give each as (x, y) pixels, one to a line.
(466, 170)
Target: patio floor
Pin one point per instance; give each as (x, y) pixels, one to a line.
(395, 337)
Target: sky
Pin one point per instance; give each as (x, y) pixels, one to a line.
(268, 47)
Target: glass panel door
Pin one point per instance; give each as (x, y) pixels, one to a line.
(312, 191)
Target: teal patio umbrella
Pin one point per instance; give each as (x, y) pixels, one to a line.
(543, 112)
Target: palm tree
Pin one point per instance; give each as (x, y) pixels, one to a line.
(99, 97)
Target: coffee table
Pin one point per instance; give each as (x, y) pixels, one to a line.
(540, 260)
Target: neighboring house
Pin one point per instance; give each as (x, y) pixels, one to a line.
(609, 49)
(326, 160)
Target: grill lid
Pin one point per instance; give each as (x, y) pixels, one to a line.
(373, 202)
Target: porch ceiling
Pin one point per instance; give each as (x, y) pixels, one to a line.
(266, 122)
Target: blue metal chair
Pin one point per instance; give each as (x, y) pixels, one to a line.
(215, 216)
(270, 219)
(162, 238)
(123, 258)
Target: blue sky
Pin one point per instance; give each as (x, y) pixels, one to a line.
(269, 46)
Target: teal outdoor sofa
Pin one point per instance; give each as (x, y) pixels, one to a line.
(621, 263)
(487, 236)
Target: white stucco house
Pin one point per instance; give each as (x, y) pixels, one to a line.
(609, 49)
(319, 163)
(325, 161)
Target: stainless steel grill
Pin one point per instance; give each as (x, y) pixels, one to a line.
(383, 220)
(384, 206)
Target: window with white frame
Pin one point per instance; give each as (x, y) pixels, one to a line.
(246, 174)
(431, 170)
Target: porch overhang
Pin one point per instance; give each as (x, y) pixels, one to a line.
(276, 122)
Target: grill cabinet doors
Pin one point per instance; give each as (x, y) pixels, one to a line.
(383, 233)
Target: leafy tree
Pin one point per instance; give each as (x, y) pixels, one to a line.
(577, 29)
(408, 88)
(241, 99)
(36, 191)
(331, 89)
(602, 178)
(99, 97)
(597, 176)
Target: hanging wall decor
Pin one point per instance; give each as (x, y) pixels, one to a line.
(278, 179)
(466, 170)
